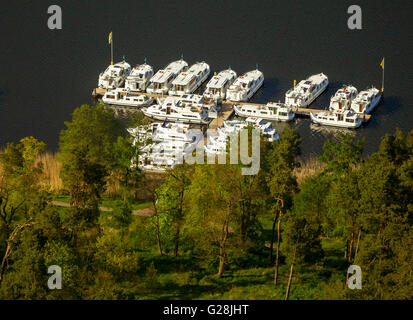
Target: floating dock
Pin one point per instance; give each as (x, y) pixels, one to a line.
(227, 111)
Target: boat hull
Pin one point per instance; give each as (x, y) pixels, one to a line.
(339, 124)
(175, 118)
(241, 113)
(374, 103)
(127, 104)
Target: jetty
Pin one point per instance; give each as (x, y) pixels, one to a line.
(227, 111)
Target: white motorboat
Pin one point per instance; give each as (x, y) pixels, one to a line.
(174, 110)
(114, 76)
(188, 81)
(265, 127)
(306, 91)
(366, 101)
(161, 82)
(186, 99)
(245, 86)
(216, 88)
(234, 125)
(122, 97)
(271, 111)
(342, 99)
(345, 119)
(165, 155)
(176, 132)
(142, 134)
(139, 77)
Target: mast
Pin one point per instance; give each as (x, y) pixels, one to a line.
(111, 49)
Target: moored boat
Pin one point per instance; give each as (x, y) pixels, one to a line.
(139, 77)
(245, 86)
(342, 98)
(161, 82)
(216, 88)
(265, 128)
(345, 119)
(123, 97)
(306, 91)
(366, 101)
(114, 76)
(169, 131)
(188, 81)
(173, 110)
(271, 111)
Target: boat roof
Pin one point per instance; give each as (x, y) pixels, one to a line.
(184, 77)
(249, 76)
(161, 76)
(117, 67)
(171, 69)
(312, 80)
(366, 93)
(176, 66)
(343, 93)
(122, 64)
(221, 78)
(140, 69)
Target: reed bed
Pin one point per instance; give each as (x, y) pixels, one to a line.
(50, 179)
(308, 167)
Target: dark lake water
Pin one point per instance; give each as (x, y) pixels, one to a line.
(45, 75)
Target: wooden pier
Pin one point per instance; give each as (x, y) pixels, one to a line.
(227, 111)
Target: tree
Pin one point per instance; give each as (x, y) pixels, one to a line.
(128, 176)
(86, 152)
(19, 176)
(215, 196)
(282, 184)
(20, 194)
(171, 198)
(301, 243)
(342, 154)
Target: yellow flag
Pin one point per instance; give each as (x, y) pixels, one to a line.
(382, 64)
(110, 37)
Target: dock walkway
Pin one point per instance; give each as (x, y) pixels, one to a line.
(227, 110)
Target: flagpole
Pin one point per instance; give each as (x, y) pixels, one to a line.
(111, 50)
(382, 80)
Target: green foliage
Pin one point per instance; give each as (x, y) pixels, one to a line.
(206, 218)
(344, 153)
(86, 154)
(280, 159)
(301, 240)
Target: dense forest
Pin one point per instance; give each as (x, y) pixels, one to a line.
(204, 231)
